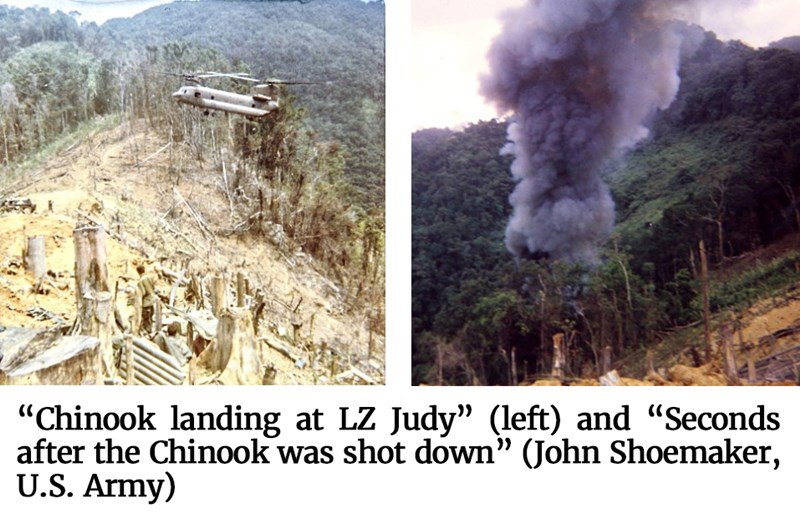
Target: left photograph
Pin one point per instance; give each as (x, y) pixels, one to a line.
(192, 193)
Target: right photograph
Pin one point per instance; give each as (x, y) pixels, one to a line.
(606, 192)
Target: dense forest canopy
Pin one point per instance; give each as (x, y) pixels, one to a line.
(722, 166)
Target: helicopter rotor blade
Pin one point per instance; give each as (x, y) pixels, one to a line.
(189, 77)
(290, 82)
(235, 76)
(196, 76)
(250, 78)
(173, 73)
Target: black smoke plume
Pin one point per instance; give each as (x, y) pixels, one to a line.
(581, 77)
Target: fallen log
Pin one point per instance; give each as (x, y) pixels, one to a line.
(164, 224)
(282, 348)
(195, 215)
(354, 372)
(203, 322)
(155, 154)
(781, 366)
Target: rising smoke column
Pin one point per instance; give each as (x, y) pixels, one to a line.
(581, 77)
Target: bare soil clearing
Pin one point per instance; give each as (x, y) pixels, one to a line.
(127, 179)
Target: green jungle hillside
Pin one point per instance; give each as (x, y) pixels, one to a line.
(722, 167)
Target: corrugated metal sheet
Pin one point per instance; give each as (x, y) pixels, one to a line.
(151, 365)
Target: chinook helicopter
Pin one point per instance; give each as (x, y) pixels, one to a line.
(262, 101)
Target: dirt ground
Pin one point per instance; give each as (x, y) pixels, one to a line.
(763, 319)
(126, 178)
(753, 341)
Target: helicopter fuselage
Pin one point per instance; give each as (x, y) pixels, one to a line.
(256, 105)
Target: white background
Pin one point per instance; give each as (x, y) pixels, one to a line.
(339, 487)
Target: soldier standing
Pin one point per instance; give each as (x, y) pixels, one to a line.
(148, 292)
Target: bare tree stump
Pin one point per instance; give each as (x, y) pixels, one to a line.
(731, 372)
(270, 373)
(120, 320)
(136, 321)
(96, 314)
(218, 294)
(91, 270)
(513, 366)
(189, 335)
(192, 371)
(258, 308)
(35, 257)
(296, 323)
(157, 321)
(241, 290)
(235, 353)
(196, 289)
(605, 365)
(752, 377)
(129, 358)
(559, 355)
(92, 293)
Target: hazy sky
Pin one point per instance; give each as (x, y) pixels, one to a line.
(97, 11)
(450, 39)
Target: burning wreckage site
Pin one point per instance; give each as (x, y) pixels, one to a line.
(581, 81)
